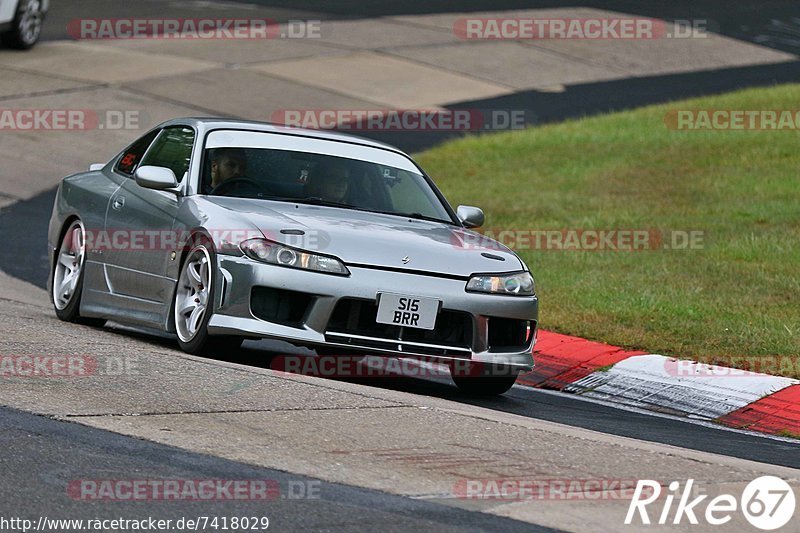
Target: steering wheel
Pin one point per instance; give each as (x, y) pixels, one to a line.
(235, 183)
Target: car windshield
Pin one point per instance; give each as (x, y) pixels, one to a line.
(246, 171)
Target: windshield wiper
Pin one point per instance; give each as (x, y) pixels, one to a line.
(419, 216)
(313, 200)
(316, 200)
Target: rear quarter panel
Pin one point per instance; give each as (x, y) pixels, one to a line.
(86, 196)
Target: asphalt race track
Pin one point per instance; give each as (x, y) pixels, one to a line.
(41, 457)
(750, 21)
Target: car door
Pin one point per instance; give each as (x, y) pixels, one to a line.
(96, 196)
(140, 222)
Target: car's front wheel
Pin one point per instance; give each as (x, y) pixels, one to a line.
(194, 303)
(67, 276)
(477, 379)
(26, 28)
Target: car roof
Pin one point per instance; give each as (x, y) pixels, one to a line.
(205, 124)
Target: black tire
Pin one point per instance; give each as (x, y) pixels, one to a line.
(26, 28)
(71, 311)
(201, 342)
(92, 322)
(217, 346)
(223, 346)
(478, 379)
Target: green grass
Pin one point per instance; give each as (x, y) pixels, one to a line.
(737, 296)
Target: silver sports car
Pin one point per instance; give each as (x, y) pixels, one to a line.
(221, 230)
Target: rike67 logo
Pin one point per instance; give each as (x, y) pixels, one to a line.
(767, 503)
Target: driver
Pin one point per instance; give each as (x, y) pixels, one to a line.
(227, 163)
(329, 181)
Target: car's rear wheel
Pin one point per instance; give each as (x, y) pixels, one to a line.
(478, 379)
(194, 303)
(67, 282)
(26, 28)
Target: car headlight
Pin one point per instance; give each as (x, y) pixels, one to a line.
(278, 254)
(518, 284)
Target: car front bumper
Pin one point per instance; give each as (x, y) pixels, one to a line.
(237, 276)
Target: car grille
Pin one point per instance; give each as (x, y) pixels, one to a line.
(508, 334)
(353, 322)
(280, 306)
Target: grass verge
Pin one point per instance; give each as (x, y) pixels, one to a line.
(735, 300)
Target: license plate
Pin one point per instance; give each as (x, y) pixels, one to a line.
(408, 311)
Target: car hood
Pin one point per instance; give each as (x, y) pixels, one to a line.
(374, 239)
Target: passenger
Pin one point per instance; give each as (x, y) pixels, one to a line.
(329, 181)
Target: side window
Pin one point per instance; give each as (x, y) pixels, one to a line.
(407, 195)
(172, 149)
(133, 154)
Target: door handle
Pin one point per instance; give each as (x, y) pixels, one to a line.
(119, 203)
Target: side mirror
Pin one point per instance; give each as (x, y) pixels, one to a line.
(96, 166)
(158, 178)
(471, 217)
